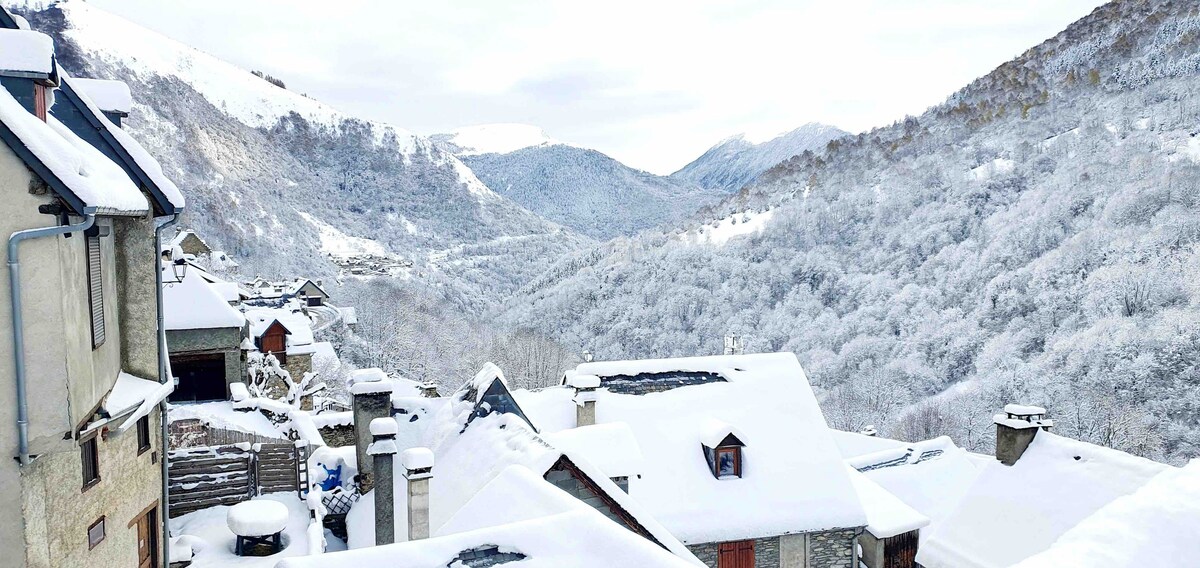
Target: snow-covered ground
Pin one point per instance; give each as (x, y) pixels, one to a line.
(207, 532)
(338, 243)
(736, 225)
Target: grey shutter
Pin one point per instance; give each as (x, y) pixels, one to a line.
(95, 291)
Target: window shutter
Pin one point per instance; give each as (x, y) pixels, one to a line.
(95, 290)
(39, 101)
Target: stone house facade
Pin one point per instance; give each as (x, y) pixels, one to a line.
(81, 480)
(825, 549)
(214, 356)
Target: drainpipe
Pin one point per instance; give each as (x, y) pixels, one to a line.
(18, 323)
(164, 375)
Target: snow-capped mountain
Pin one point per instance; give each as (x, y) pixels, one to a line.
(580, 188)
(1036, 239)
(737, 161)
(278, 179)
(493, 139)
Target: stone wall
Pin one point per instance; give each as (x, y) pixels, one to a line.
(58, 511)
(829, 549)
(832, 549)
(338, 436)
(766, 552)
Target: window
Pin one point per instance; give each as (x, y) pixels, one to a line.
(728, 462)
(96, 533)
(739, 554)
(91, 462)
(143, 433)
(95, 289)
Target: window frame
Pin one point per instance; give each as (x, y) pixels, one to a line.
(92, 442)
(736, 451)
(143, 435)
(103, 532)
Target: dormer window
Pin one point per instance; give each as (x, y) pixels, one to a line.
(723, 450)
(728, 463)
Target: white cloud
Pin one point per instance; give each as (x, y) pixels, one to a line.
(653, 83)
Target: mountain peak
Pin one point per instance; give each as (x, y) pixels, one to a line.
(498, 138)
(739, 159)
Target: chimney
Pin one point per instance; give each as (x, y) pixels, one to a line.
(733, 344)
(418, 469)
(429, 390)
(372, 393)
(585, 398)
(383, 452)
(869, 431)
(1015, 430)
(587, 356)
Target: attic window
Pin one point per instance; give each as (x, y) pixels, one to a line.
(723, 451)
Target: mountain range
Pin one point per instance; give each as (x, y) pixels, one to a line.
(1033, 239)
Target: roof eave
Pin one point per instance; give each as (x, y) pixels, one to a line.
(162, 206)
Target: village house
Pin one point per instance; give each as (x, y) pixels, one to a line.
(309, 292)
(190, 243)
(284, 334)
(204, 336)
(83, 378)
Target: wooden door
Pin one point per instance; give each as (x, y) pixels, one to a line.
(900, 551)
(147, 535)
(738, 554)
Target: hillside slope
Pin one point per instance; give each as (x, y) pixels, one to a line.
(279, 179)
(1034, 239)
(736, 161)
(579, 188)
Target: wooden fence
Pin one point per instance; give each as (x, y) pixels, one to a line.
(202, 477)
(207, 476)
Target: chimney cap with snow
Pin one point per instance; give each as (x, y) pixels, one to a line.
(384, 427)
(580, 381)
(418, 462)
(1020, 416)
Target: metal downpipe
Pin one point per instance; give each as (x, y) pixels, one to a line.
(18, 321)
(164, 375)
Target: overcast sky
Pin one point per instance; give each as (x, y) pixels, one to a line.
(652, 83)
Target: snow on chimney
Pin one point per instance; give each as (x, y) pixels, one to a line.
(733, 344)
(418, 469)
(372, 392)
(383, 451)
(585, 398)
(1016, 428)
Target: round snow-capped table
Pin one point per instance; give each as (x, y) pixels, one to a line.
(257, 522)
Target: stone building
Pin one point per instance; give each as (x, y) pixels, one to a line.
(204, 335)
(738, 461)
(80, 384)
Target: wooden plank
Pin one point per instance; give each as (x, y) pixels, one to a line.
(181, 489)
(192, 496)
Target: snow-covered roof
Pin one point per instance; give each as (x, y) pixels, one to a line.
(298, 325)
(81, 174)
(349, 315)
(1012, 512)
(26, 51)
(794, 479)
(610, 447)
(516, 513)
(1154, 526)
(195, 304)
(887, 516)
(472, 446)
(128, 393)
(140, 162)
(930, 476)
(109, 96)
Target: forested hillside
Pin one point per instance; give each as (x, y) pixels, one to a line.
(1032, 239)
(279, 179)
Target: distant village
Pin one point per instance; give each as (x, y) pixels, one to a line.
(162, 408)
